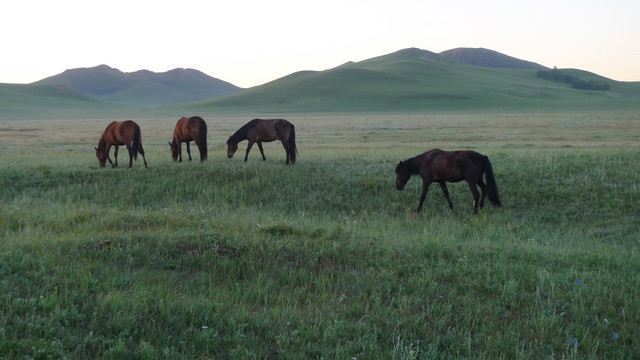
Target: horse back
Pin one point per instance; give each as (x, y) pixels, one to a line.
(120, 132)
(269, 130)
(453, 166)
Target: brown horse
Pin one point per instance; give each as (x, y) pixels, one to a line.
(187, 130)
(120, 133)
(258, 131)
(450, 166)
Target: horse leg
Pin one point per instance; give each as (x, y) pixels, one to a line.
(246, 156)
(108, 157)
(483, 188)
(130, 155)
(261, 150)
(189, 151)
(476, 195)
(141, 151)
(115, 156)
(445, 191)
(425, 187)
(288, 150)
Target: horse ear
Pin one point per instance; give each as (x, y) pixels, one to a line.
(96, 148)
(170, 144)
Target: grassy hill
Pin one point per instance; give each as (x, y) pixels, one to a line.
(142, 88)
(19, 101)
(406, 80)
(419, 80)
(489, 58)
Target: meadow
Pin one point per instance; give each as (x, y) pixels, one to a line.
(324, 259)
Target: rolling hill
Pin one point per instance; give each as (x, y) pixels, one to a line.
(141, 88)
(419, 80)
(55, 101)
(407, 80)
(489, 58)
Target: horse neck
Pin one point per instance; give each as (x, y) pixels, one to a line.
(102, 144)
(238, 136)
(413, 165)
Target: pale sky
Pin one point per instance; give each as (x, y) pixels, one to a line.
(251, 42)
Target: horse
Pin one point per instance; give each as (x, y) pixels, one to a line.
(120, 133)
(187, 130)
(451, 166)
(258, 131)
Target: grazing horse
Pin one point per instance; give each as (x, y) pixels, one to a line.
(258, 131)
(187, 130)
(450, 166)
(120, 133)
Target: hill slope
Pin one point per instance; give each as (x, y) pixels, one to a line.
(489, 58)
(419, 80)
(19, 101)
(142, 88)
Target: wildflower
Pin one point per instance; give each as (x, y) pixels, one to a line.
(615, 336)
(575, 342)
(578, 282)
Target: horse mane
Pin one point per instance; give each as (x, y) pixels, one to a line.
(241, 134)
(406, 165)
(102, 143)
(413, 164)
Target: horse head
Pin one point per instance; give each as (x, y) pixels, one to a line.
(232, 147)
(402, 175)
(175, 149)
(102, 156)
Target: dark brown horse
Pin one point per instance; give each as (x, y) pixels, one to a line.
(450, 166)
(259, 131)
(120, 133)
(187, 130)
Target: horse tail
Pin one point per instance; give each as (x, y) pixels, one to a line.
(292, 145)
(492, 187)
(136, 141)
(202, 140)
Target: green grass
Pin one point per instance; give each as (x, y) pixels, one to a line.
(324, 259)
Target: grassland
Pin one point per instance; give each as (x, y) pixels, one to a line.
(324, 259)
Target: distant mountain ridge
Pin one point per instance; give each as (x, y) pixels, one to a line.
(410, 79)
(142, 88)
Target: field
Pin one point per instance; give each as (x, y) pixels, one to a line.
(323, 259)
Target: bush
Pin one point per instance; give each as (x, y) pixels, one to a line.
(576, 82)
